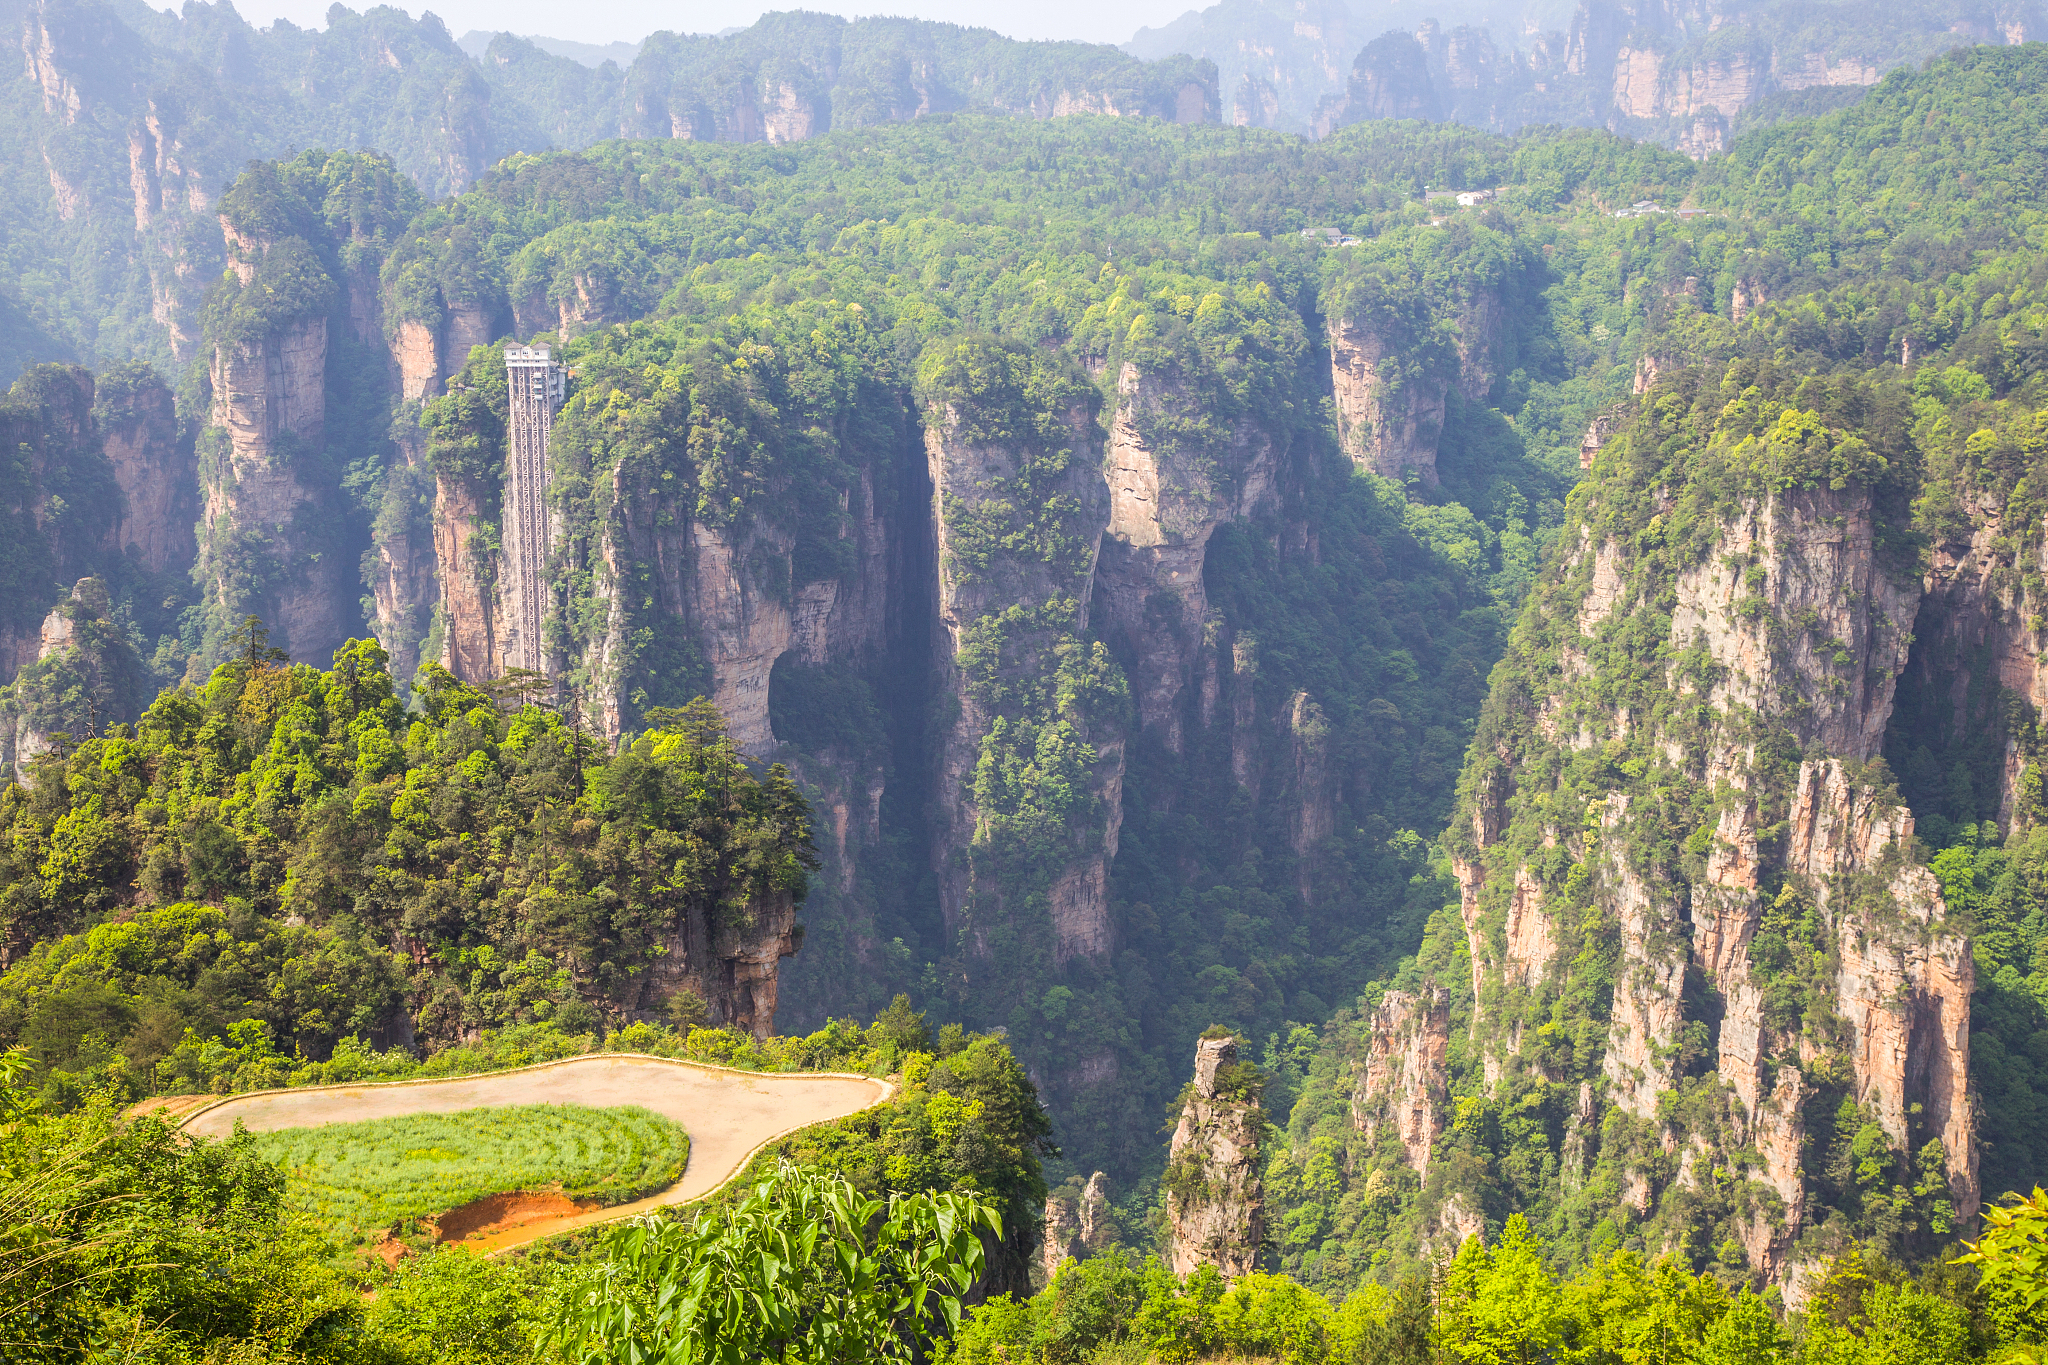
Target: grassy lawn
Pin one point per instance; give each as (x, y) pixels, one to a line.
(361, 1178)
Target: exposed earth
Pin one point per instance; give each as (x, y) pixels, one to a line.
(728, 1115)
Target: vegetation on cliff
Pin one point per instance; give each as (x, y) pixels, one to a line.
(289, 855)
(774, 348)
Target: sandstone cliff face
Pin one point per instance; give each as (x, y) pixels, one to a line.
(1390, 412)
(1904, 980)
(269, 400)
(1975, 632)
(1389, 80)
(966, 477)
(1388, 428)
(159, 491)
(730, 960)
(466, 571)
(278, 536)
(1811, 558)
(1675, 73)
(1782, 632)
(403, 569)
(746, 629)
(1404, 1087)
(1076, 1226)
(1163, 507)
(427, 357)
(30, 716)
(1215, 1202)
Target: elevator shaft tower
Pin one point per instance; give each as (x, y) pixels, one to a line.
(538, 386)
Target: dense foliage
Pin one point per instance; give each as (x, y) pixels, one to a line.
(804, 1267)
(282, 871)
(109, 191)
(1493, 1305)
(124, 1238)
(289, 855)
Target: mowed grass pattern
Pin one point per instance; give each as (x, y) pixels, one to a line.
(361, 1178)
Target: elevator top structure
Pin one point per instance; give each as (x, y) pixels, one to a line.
(537, 388)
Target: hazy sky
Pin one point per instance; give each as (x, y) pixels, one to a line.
(605, 21)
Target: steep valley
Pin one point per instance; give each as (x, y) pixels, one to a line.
(1540, 696)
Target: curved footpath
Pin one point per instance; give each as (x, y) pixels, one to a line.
(728, 1114)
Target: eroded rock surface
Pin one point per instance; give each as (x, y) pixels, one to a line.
(1784, 632)
(1215, 1203)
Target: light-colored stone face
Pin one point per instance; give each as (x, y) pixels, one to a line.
(157, 490)
(1223, 1225)
(965, 474)
(1163, 508)
(265, 396)
(1406, 1083)
(1815, 559)
(1388, 435)
(1904, 979)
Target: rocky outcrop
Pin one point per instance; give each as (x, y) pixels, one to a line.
(467, 574)
(1904, 977)
(275, 528)
(1676, 73)
(416, 349)
(1404, 1088)
(1389, 80)
(138, 424)
(269, 403)
(1077, 1224)
(1391, 396)
(1215, 1200)
(1812, 558)
(1060, 1237)
(730, 962)
(1256, 104)
(427, 356)
(1783, 632)
(1163, 507)
(969, 479)
(403, 569)
(1274, 63)
(1311, 814)
(1640, 1061)
(1390, 427)
(1457, 1222)
(86, 677)
(744, 627)
(1976, 636)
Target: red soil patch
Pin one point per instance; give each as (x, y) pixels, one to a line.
(390, 1251)
(490, 1215)
(502, 1212)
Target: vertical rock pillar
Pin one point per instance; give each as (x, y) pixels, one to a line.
(1216, 1200)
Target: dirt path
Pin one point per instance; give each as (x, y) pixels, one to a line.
(728, 1114)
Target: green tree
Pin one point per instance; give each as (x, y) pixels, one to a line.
(1747, 1334)
(453, 1308)
(1510, 1311)
(804, 1268)
(2012, 1258)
